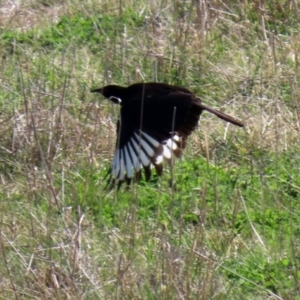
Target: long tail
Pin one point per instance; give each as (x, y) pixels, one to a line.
(221, 115)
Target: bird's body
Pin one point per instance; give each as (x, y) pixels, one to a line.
(155, 121)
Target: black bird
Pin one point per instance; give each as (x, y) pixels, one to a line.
(154, 123)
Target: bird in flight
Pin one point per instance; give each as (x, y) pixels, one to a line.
(154, 123)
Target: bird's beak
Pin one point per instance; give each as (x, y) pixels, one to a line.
(100, 90)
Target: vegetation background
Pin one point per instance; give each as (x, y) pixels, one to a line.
(230, 229)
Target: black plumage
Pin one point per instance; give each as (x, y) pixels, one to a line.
(155, 121)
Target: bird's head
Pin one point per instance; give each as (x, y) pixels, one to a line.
(112, 92)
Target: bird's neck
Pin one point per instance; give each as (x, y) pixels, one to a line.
(118, 91)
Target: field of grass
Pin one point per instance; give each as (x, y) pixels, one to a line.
(230, 229)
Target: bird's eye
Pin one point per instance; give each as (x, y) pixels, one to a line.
(115, 99)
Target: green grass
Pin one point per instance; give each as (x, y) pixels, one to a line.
(227, 229)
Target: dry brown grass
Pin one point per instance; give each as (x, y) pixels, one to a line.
(24, 15)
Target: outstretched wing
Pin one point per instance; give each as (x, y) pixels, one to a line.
(150, 132)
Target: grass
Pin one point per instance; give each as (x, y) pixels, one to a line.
(230, 227)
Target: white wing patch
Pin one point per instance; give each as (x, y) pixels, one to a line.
(144, 145)
(167, 153)
(122, 165)
(128, 163)
(172, 144)
(151, 140)
(142, 150)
